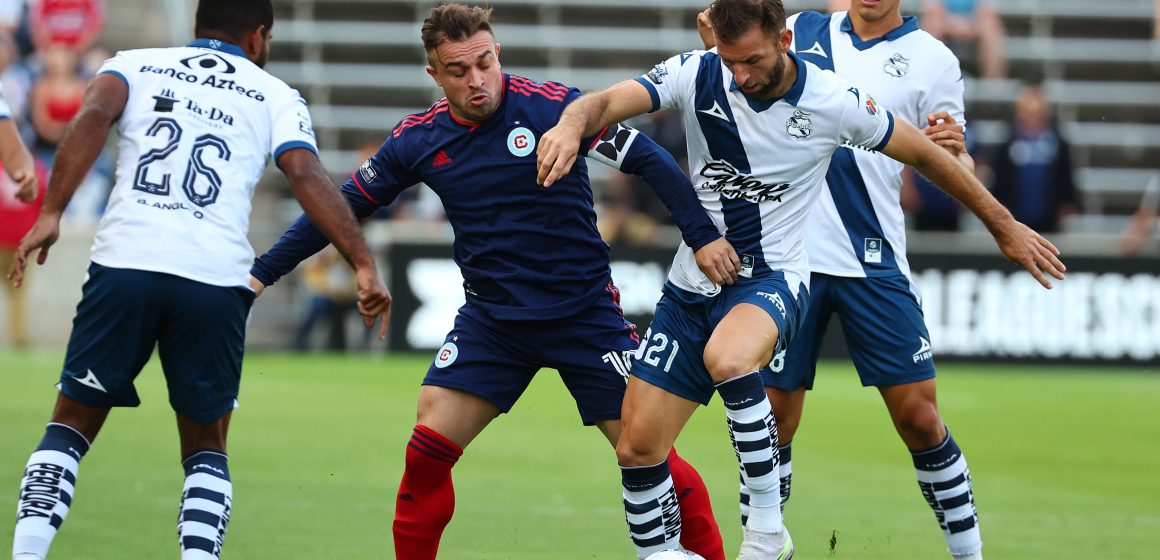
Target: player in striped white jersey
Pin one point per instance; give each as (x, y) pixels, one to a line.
(762, 126)
(170, 265)
(857, 247)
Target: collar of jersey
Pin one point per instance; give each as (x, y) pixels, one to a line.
(792, 96)
(218, 45)
(909, 24)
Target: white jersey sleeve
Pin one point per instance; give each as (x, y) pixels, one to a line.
(944, 94)
(5, 110)
(864, 123)
(291, 125)
(671, 82)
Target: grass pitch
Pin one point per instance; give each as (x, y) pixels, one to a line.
(1064, 460)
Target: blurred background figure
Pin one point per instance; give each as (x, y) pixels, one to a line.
(330, 298)
(1143, 221)
(1033, 173)
(21, 191)
(71, 24)
(971, 28)
(55, 99)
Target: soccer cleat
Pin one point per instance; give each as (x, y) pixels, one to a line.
(766, 546)
(27, 556)
(977, 555)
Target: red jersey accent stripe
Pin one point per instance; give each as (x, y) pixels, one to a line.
(532, 86)
(554, 87)
(596, 139)
(361, 189)
(528, 93)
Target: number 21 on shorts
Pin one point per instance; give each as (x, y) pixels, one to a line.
(655, 347)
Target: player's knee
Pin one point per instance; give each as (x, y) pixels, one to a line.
(638, 451)
(786, 427)
(920, 425)
(726, 365)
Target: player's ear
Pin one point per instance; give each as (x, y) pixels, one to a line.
(434, 74)
(785, 40)
(497, 47)
(254, 42)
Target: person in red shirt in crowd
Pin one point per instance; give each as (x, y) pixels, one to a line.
(73, 24)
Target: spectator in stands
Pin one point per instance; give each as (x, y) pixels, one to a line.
(332, 296)
(976, 23)
(72, 24)
(15, 79)
(1144, 220)
(1033, 173)
(55, 99)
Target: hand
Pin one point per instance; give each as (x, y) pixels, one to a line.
(374, 300)
(1021, 245)
(28, 185)
(257, 286)
(42, 235)
(948, 133)
(719, 262)
(705, 30)
(557, 152)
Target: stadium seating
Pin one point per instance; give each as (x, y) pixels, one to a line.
(360, 65)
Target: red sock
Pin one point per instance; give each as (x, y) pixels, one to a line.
(699, 531)
(426, 497)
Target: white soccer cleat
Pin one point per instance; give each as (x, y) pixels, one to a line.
(766, 546)
(978, 555)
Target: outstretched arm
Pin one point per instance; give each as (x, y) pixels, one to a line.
(624, 148)
(1018, 242)
(586, 116)
(18, 162)
(331, 216)
(104, 101)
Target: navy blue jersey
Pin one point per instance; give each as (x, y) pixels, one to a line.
(526, 252)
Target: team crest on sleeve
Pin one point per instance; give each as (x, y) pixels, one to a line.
(658, 73)
(799, 125)
(521, 142)
(871, 106)
(367, 171)
(897, 65)
(446, 355)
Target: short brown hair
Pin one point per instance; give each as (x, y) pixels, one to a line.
(454, 22)
(733, 18)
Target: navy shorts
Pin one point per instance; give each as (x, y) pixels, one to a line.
(199, 330)
(496, 360)
(672, 355)
(884, 327)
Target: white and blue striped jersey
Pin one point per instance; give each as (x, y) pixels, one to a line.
(857, 229)
(758, 166)
(199, 127)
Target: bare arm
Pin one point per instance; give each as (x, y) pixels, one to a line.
(83, 141)
(559, 147)
(18, 162)
(1017, 242)
(329, 210)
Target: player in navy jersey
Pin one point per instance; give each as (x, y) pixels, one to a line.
(170, 260)
(536, 273)
(763, 126)
(919, 80)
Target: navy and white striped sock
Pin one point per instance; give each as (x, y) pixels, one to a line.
(754, 434)
(205, 505)
(651, 508)
(785, 473)
(47, 489)
(945, 481)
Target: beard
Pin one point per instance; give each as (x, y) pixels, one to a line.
(773, 80)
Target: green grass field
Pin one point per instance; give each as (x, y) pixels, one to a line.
(1066, 464)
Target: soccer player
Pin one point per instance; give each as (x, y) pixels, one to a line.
(170, 261)
(762, 126)
(536, 273)
(18, 163)
(857, 247)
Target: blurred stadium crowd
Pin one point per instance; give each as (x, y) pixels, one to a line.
(1063, 107)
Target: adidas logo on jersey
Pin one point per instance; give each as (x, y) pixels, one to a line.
(441, 159)
(924, 353)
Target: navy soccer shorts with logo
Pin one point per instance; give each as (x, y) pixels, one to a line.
(882, 320)
(199, 331)
(496, 360)
(672, 354)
